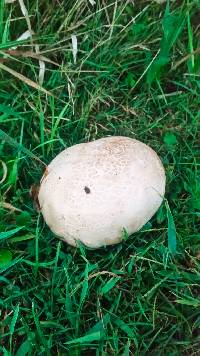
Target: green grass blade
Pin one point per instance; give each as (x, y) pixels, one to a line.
(7, 234)
(85, 340)
(171, 231)
(84, 287)
(71, 315)
(24, 349)
(109, 285)
(190, 45)
(14, 320)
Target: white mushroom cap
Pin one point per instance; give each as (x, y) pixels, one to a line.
(92, 191)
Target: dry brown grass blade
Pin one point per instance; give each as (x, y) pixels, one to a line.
(24, 79)
(184, 59)
(30, 54)
(9, 206)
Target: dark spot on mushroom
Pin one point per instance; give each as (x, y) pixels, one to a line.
(87, 190)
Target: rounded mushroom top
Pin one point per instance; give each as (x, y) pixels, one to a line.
(91, 191)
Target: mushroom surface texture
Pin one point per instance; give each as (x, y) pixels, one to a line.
(93, 191)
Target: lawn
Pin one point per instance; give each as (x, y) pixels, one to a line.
(72, 71)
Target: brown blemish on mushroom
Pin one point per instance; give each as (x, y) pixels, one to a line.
(34, 191)
(117, 146)
(45, 174)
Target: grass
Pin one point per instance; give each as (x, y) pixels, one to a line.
(136, 73)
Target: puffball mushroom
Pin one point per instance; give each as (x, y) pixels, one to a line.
(93, 191)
